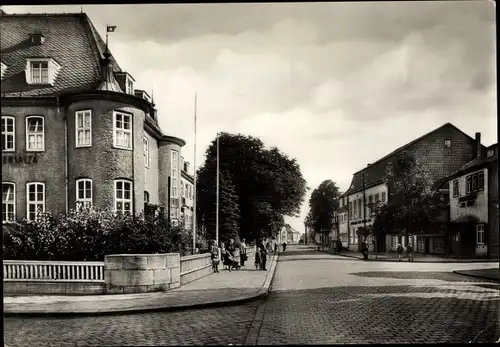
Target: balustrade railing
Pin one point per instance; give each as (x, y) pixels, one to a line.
(64, 271)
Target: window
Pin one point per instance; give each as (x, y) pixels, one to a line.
(383, 197)
(4, 68)
(146, 197)
(35, 134)
(490, 153)
(394, 241)
(370, 205)
(8, 202)
(83, 121)
(438, 244)
(83, 193)
(480, 234)
(122, 132)
(145, 143)
(175, 167)
(361, 212)
(377, 197)
(182, 190)
(455, 188)
(35, 198)
(174, 187)
(175, 158)
(340, 202)
(40, 72)
(8, 134)
(130, 86)
(355, 209)
(447, 143)
(474, 182)
(123, 197)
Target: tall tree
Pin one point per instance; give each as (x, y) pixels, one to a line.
(323, 203)
(413, 204)
(268, 184)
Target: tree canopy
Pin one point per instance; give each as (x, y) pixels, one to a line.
(323, 204)
(413, 204)
(266, 186)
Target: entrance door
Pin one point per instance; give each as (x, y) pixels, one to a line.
(426, 242)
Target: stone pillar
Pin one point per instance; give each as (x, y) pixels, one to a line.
(141, 273)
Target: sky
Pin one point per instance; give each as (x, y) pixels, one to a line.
(334, 85)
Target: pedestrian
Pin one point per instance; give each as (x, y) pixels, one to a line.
(224, 255)
(409, 249)
(215, 254)
(243, 252)
(275, 247)
(269, 247)
(257, 254)
(364, 250)
(263, 256)
(284, 246)
(400, 251)
(231, 252)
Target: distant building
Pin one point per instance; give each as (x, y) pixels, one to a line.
(187, 195)
(443, 151)
(75, 131)
(289, 234)
(474, 214)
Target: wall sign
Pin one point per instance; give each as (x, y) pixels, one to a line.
(19, 159)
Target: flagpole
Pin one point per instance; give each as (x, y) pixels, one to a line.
(106, 37)
(217, 196)
(194, 166)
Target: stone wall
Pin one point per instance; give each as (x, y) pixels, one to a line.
(141, 273)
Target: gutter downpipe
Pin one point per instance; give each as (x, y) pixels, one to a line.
(66, 160)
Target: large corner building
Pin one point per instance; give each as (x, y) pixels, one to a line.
(75, 130)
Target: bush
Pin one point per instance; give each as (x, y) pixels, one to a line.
(90, 234)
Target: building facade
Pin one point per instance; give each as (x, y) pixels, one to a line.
(443, 151)
(187, 196)
(75, 131)
(474, 207)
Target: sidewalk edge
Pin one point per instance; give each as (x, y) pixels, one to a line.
(260, 294)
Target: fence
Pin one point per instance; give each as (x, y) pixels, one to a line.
(195, 266)
(23, 270)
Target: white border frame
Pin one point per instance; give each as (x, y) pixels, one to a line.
(77, 113)
(28, 184)
(43, 132)
(131, 130)
(123, 200)
(15, 201)
(77, 199)
(13, 133)
(145, 142)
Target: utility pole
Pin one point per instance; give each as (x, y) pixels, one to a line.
(194, 176)
(217, 197)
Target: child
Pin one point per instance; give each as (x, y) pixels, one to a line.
(215, 254)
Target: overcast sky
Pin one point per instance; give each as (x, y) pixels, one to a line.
(335, 85)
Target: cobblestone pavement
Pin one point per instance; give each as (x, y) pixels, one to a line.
(317, 298)
(331, 301)
(215, 326)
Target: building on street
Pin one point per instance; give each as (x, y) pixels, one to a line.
(187, 195)
(474, 217)
(75, 130)
(443, 151)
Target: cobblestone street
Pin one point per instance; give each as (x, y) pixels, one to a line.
(316, 298)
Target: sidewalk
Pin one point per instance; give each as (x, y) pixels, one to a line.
(489, 274)
(393, 257)
(224, 288)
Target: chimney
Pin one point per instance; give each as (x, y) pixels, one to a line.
(478, 145)
(368, 164)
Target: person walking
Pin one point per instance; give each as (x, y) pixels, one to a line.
(284, 246)
(400, 251)
(257, 254)
(233, 252)
(364, 250)
(275, 247)
(224, 255)
(243, 252)
(409, 249)
(215, 254)
(263, 256)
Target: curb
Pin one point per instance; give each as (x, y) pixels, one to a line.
(414, 260)
(261, 293)
(459, 272)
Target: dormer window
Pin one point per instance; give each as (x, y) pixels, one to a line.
(130, 85)
(37, 39)
(41, 70)
(4, 68)
(490, 153)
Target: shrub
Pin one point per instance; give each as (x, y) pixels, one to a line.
(90, 234)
